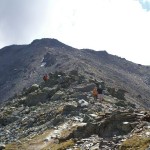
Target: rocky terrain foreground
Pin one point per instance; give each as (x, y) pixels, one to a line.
(61, 114)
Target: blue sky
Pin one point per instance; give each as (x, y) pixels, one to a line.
(145, 4)
(121, 27)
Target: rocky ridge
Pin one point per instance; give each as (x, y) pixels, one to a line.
(61, 114)
(23, 65)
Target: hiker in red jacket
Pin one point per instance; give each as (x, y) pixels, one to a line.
(45, 77)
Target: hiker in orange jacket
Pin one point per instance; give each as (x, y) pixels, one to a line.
(94, 92)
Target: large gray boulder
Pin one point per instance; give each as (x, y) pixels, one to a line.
(68, 108)
(118, 93)
(34, 98)
(33, 88)
(78, 95)
(85, 87)
(57, 95)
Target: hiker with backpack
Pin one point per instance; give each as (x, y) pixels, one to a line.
(100, 93)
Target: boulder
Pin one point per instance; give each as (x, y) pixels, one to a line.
(74, 72)
(57, 95)
(50, 91)
(85, 87)
(126, 127)
(69, 108)
(83, 103)
(33, 88)
(118, 93)
(78, 95)
(2, 146)
(34, 98)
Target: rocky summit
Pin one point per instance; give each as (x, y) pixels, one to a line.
(61, 114)
(24, 65)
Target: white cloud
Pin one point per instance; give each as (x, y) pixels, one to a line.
(119, 26)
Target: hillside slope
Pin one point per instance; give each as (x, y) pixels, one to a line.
(23, 65)
(61, 114)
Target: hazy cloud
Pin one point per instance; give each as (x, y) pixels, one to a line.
(122, 27)
(145, 4)
(21, 21)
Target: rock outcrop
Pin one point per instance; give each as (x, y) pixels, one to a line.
(61, 114)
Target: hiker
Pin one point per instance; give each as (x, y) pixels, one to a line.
(45, 77)
(100, 93)
(94, 92)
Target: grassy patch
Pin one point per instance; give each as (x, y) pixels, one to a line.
(25, 144)
(37, 141)
(16, 146)
(135, 143)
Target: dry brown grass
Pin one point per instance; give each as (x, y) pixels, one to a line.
(135, 143)
(60, 146)
(25, 144)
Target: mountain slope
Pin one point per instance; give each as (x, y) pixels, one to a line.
(21, 66)
(61, 114)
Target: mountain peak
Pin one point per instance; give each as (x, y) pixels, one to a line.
(48, 42)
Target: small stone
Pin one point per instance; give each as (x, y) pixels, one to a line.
(125, 122)
(2, 146)
(83, 103)
(148, 133)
